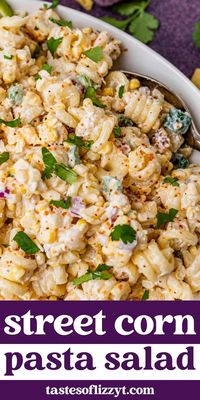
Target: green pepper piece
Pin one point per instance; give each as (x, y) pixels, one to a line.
(5, 9)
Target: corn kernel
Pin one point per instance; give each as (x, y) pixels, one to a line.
(107, 148)
(134, 84)
(12, 171)
(23, 190)
(196, 77)
(80, 222)
(52, 236)
(16, 273)
(29, 157)
(108, 91)
(87, 4)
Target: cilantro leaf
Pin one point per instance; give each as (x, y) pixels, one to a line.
(36, 52)
(49, 163)
(143, 27)
(53, 44)
(25, 243)
(8, 57)
(62, 203)
(61, 22)
(5, 9)
(91, 94)
(60, 170)
(123, 121)
(53, 5)
(117, 131)
(47, 67)
(65, 173)
(163, 218)
(126, 9)
(196, 34)
(140, 24)
(78, 141)
(120, 24)
(172, 181)
(99, 273)
(121, 91)
(12, 124)
(95, 54)
(102, 267)
(4, 157)
(125, 233)
(145, 295)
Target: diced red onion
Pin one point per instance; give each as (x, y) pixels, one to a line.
(4, 193)
(76, 207)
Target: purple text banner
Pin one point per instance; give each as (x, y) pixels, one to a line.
(99, 322)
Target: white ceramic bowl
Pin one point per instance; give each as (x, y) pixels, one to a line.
(139, 57)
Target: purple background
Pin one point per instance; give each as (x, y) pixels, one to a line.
(174, 38)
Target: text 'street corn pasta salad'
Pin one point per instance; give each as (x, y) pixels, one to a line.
(97, 197)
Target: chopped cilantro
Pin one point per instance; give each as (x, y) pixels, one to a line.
(53, 44)
(145, 295)
(61, 22)
(47, 67)
(121, 92)
(52, 167)
(49, 163)
(117, 131)
(5, 9)
(4, 157)
(123, 121)
(163, 218)
(36, 52)
(172, 181)
(25, 243)
(78, 141)
(91, 94)
(125, 233)
(53, 5)
(99, 273)
(8, 57)
(65, 173)
(95, 54)
(62, 203)
(12, 124)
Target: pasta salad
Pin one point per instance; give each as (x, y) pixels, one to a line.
(98, 200)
